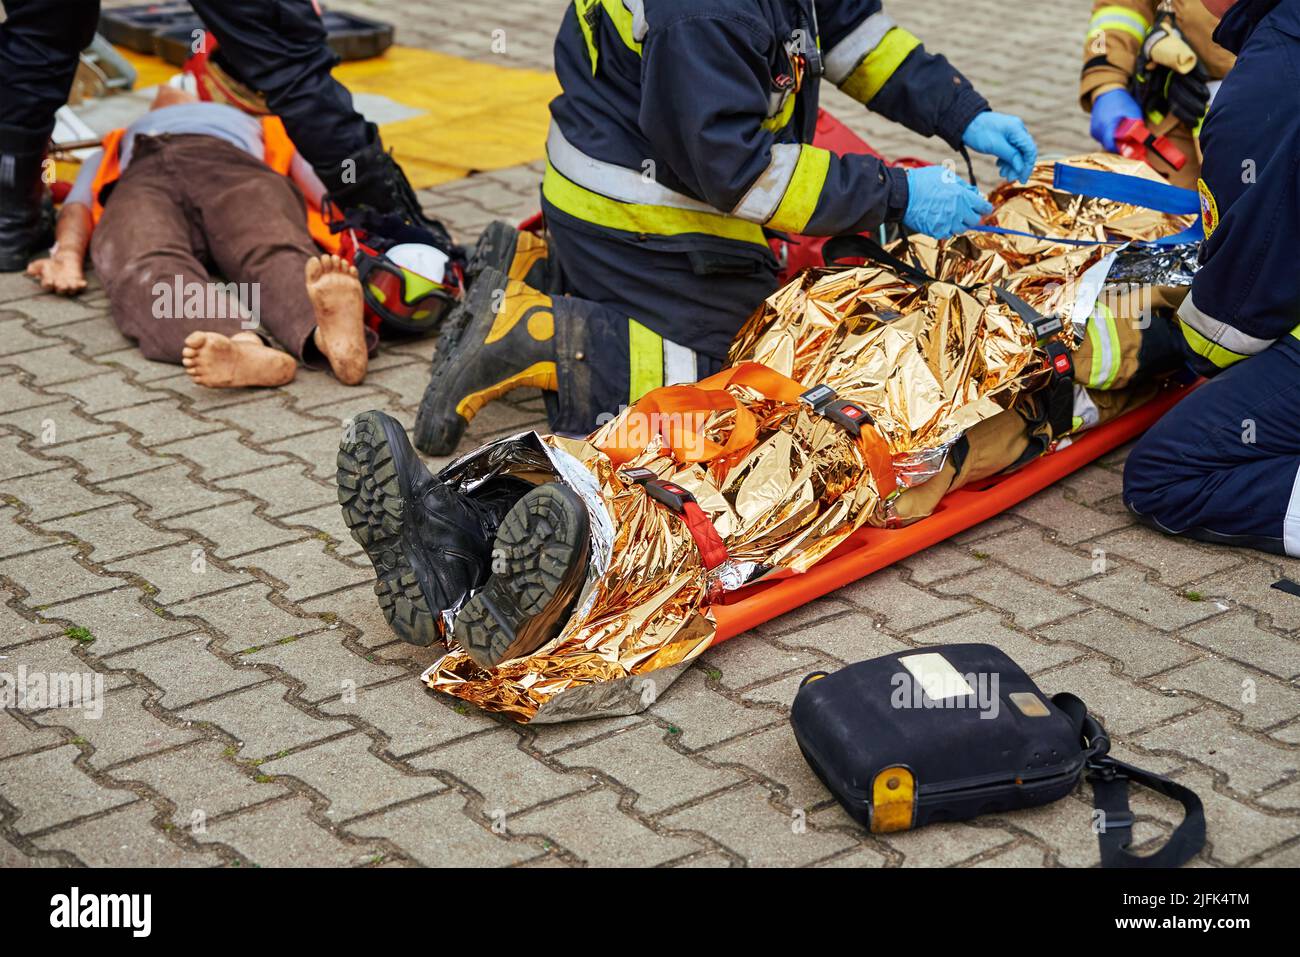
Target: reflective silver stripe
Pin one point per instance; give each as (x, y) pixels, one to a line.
(760, 203)
(843, 58)
(1085, 410)
(1220, 333)
(616, 182)
(679, 364)
(1291, 523)
(639, 25)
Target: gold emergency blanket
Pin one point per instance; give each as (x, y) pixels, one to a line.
(926, 361)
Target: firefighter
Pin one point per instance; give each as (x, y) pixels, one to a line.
(1224, 465)
(276, 47)
(1154, 61)
(682, 134)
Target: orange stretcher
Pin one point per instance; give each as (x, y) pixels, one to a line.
(871, 549)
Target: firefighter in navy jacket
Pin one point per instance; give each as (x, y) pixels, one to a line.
(682, 135)
(1224, 465)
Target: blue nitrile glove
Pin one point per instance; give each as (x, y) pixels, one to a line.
(1005, 137)
(1108, 110)
(941, 203)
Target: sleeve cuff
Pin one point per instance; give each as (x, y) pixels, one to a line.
(898, 194)
(968, 105)
(1108, 76)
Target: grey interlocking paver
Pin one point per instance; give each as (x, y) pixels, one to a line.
(1138, 649)
(201, 782)
(639, 759)
(125, 838)
(353, 780)
(262, 722)
(153, 476)
(117, 620)
(185, 670)
(121, 730)
(48, 790)
(283, 834)
(511, 781)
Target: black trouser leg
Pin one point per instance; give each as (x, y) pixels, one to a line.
(278, 47)
(40, 41)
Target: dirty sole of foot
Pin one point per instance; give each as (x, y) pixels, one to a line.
(539, 565)
(373, 491)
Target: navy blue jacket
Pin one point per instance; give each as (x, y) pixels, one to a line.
(693, 95)
(1246, 294)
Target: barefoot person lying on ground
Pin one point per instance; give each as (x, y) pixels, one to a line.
(195, 186)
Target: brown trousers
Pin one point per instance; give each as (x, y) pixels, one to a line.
(187, 204)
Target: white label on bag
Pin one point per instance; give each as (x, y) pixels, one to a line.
(937, 678)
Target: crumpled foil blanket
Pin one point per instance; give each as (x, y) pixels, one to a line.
(926, 361)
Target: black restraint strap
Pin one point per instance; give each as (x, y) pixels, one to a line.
(1110, 778)
(857, 246)
(1060, 392)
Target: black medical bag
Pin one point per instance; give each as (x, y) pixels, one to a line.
(951, 732)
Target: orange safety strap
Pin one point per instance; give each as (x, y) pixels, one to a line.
(110, 168)
(680, 412)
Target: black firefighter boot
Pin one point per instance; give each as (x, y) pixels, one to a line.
(430, 544)
(26, 221)
(539, 560)
(501, 337)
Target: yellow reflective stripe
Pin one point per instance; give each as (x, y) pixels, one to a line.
(621, 17)
(1115, 356)
(874, 72)
(569, 197)
(1094, 340)
(805, 189)
(781, 119)
(1119, 18)
(1296, 332)
(582, 8)
(1203, 347)
(646, 354)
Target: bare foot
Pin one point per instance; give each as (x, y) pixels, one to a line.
(221, 362)
(335, 294)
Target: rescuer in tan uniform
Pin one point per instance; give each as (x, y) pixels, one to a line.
(1153, 60)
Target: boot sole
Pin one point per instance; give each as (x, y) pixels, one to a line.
(373, 499)
(438, 428)
(494, 250)
(544, 544)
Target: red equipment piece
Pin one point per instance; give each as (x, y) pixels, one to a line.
(1133, 139)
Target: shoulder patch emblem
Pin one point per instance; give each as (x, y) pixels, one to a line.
(1209, 208)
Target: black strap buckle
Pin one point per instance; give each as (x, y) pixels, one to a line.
(847, 415)
(1043, 326)
(666, 493)
(1105, 769)
(1119, 820)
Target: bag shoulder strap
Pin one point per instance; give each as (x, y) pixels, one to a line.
(1110, 779)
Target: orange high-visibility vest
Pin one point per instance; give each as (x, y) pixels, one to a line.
(278, 152)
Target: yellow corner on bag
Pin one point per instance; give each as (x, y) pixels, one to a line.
(893, 800)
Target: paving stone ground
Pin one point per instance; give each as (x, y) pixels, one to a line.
(183, 547)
